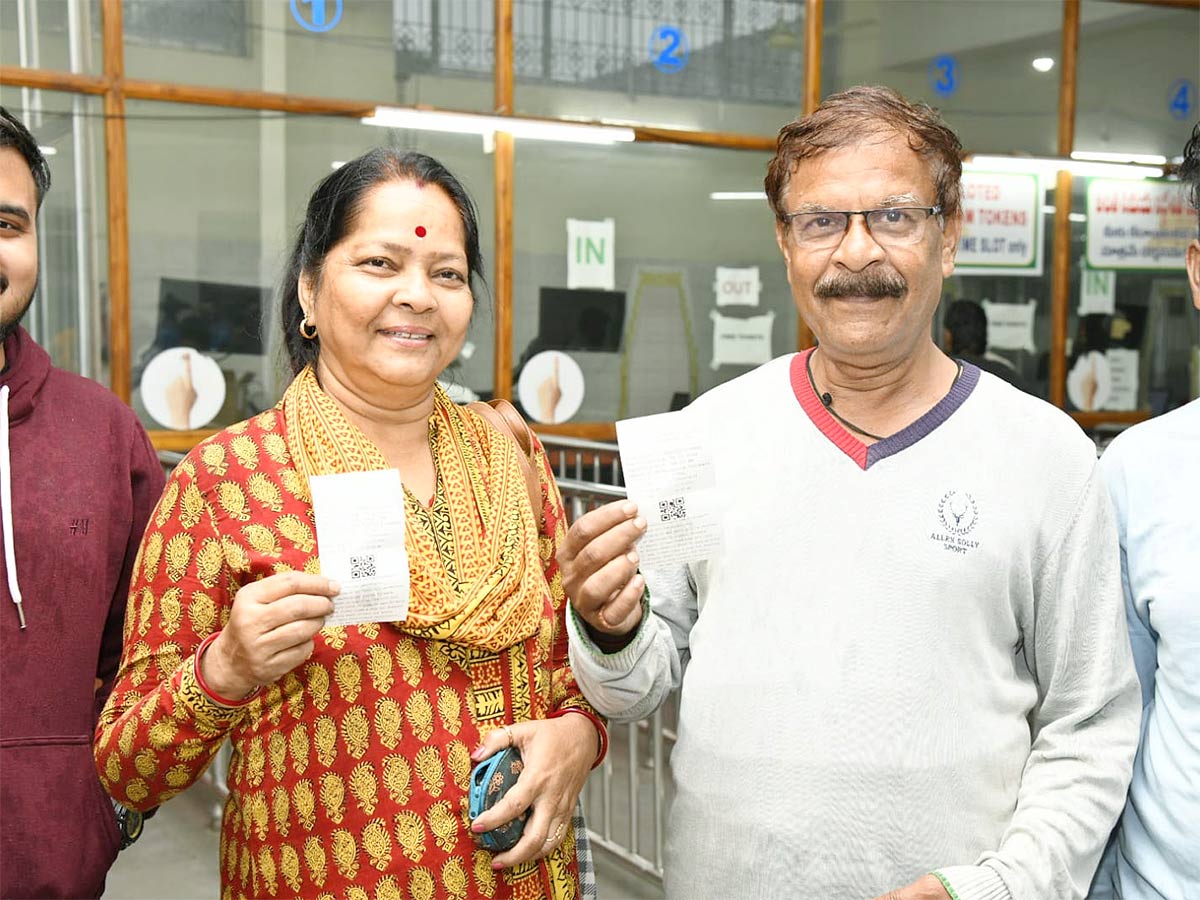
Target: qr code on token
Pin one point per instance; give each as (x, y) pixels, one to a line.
(669, 510)
(362, 567)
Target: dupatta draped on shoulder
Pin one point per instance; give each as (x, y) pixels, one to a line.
(496, 594)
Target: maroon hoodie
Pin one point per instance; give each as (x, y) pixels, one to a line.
(84, 480)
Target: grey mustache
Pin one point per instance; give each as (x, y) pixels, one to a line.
(880, 284)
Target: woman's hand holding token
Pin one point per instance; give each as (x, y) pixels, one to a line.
(270, 632)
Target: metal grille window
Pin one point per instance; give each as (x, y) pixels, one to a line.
(215, 26)
(748, 50)
(448, 36)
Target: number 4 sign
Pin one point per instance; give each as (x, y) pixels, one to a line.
(1181, 99)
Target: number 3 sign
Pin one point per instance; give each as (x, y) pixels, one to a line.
(944, 75)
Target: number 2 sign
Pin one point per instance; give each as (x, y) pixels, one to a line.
(668, 48)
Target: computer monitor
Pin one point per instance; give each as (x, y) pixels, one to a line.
(581, 319)
(210, 317)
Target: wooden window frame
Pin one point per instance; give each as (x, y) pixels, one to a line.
(115, 90)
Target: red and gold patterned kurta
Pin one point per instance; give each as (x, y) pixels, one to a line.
(349, 775)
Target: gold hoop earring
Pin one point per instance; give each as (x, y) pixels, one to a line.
(307, 335)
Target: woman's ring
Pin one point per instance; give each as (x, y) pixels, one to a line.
(554, 838)
(508, 731)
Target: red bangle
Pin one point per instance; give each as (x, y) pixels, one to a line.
(213, 695)
(601, 730)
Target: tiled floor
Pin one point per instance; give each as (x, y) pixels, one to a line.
(176, 859)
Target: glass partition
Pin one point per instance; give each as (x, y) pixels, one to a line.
(69, 315)
(1134, 335)
(642, 286)
(973, 61)
(1139, 68)
(216, 196)
(435, 52)
(62, 35)
(708, 65)
(634, 290)
(1015, 298)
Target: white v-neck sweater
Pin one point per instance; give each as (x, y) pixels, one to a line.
(907, 659)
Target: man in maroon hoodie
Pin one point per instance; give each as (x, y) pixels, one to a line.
(78, 480)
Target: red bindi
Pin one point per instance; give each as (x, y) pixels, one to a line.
(421, 231)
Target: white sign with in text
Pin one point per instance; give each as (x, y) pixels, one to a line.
(1097, 292)
(591, 254)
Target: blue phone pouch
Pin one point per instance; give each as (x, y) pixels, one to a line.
(491, 780)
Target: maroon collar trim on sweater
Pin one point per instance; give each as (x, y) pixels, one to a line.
(865, 456)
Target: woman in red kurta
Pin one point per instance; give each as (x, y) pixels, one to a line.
(353, 745)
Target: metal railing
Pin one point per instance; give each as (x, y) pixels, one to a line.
(584, 465)
(624, 801)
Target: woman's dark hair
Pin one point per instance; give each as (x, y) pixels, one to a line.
(334, 204)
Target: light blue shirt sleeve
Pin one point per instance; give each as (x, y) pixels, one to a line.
(1141, 634)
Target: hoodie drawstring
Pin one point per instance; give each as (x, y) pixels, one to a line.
(6, 520)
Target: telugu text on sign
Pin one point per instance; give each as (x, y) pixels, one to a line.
(1137, 225)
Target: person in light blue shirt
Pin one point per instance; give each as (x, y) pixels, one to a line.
(1154, 479)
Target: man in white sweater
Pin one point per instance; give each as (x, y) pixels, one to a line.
(906, 674)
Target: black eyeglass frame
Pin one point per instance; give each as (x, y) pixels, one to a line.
(787, 218)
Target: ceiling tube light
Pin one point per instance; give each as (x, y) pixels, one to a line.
(1043, 63)
(1146, 159)
(738, 195)
(569, 132)
(1113, 170)
(467, 123)
(1047, 166)
(48, 151)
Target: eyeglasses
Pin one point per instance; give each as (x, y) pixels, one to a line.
(894, 226)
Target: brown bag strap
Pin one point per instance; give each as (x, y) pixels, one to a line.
(503, 416)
